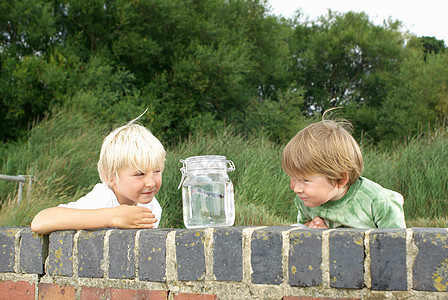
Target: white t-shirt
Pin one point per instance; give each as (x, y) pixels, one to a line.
(101, 196)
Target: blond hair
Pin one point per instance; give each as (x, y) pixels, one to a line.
(131, 145)
(324, 148)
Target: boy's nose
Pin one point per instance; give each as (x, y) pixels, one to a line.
(149, 181)
(297, 189)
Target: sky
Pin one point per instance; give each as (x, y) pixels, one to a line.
(422, 18)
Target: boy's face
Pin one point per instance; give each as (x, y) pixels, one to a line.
(316, 190)
(135, 187)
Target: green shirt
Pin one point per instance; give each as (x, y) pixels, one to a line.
(365, 205)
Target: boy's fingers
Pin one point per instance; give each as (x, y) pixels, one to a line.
(317, 221)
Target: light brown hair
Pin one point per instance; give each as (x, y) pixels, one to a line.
(324, 148)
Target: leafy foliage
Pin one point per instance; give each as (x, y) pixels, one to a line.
(200, 65)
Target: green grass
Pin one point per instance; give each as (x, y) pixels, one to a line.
(62, 153)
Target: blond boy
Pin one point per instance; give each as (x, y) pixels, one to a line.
(325, 163)
(130, 168)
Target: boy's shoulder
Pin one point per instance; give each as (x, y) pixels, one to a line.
(101, 196)
(366, 188)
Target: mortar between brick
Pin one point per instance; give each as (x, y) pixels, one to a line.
(367, 277)
(171, 262)
(208, 252)
(326, 258)
(105, 264)
(17, 238)
(411, 254)
(136, 253)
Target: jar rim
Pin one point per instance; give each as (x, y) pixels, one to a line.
(205, 157)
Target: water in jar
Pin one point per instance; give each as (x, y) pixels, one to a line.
(208, 204)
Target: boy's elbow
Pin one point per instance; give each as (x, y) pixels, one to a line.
(38, 226)
(35, 227)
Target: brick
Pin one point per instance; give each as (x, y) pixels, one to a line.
(121, 254)
(16, 290)
(90, 253)
(33, 251)
(228, 254)
(388, 259)
(305, 257)
(152, 255)
(7, 252)
(315, 298)
(94, 293)
(266, 255)
(347, 258)
(190, 254)
(50, 291)
(60, 253)
(186, 296)
(430, 270)
(124, 294)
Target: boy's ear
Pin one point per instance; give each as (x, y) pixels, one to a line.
(109, 180)
(343, 181)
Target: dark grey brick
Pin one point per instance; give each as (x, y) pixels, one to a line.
(228, 254)
(90, 253)
(347, 258)
(388, 259)
(152, 255)
(430, 271)
(33, 251)
(266, 257)
(7, 252)
(305, 257)
(190, 254)
(60, 253)
(121, 254)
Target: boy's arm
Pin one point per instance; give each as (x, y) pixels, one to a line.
(388, 213)
(62, 218)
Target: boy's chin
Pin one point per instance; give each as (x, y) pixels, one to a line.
(146, 200)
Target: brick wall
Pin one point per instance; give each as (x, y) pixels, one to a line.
(225, 263)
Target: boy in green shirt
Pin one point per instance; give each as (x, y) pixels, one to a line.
(325, 163)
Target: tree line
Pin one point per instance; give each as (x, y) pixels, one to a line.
(204, 65)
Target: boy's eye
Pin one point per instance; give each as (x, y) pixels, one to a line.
(157, 171)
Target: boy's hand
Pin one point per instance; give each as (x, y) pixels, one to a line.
(318, 222)
(126, 216)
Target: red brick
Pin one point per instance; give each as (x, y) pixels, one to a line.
(185, 296)
(124, 294)
(50, 291)
(93, 293)
(16, 290)
(315, 298)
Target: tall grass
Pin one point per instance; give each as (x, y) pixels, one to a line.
(62, 153)
(418, 170)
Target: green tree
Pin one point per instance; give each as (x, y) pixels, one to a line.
(419, 103)
(26, 27)
(429, 45)
(345, 58)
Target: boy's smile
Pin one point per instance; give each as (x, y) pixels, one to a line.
(135, 187)
(316, 190)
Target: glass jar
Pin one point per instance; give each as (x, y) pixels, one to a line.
(207, 191)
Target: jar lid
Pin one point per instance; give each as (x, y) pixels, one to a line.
(205, 162)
